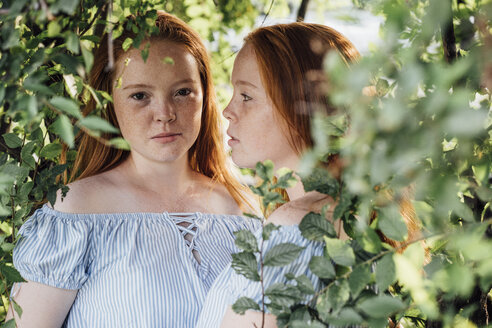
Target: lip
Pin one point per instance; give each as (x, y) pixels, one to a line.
(166, 137)
(233, 141)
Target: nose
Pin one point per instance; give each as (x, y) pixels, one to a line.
(164, 113)
(228, 112)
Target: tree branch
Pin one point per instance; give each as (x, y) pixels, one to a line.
(301, 13)
(448, 37)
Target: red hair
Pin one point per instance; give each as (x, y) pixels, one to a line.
(290, 58)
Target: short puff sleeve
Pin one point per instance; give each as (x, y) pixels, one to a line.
(53, 249)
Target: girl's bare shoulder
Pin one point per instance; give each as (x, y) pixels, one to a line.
(87, 195)
(216, 197)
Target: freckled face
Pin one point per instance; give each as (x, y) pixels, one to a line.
(158, 103)
(256, 133)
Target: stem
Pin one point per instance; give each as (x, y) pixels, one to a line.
(262, 286)
(268, 12)
(12, 208)
(45, 8)
(110, 38)
(301, 13)
(448, 37)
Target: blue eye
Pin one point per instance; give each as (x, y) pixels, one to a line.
(246, 97)
(183, 92)
(139, 96)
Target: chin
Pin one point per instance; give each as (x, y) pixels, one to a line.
(244, 161)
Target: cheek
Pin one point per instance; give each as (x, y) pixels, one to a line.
(192, 114)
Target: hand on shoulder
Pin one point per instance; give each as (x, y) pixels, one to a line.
(292, 213)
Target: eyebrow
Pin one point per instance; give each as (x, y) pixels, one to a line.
(186, 81)
(148, 86)
(242, 82)
(135, 86)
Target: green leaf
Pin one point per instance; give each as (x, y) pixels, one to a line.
(340, 251)
(381, 306)
(26, 154)
(334, 298)
(120, 143)
(10, 273)
(72, 42)
(313, 227)
(127, 44)
(286, 179)
(51, 150)
(321, 181)
(346, 317)
(9, 324)
(377, 322)
(95, 123)
(12, 140)
(245, 264)
(369, 240)
(322, 267)
(25, 189)
(145, 52)
(67, 106)
(342, 206)
(17, 308)
(382, 87)
(2, 93)
(305, 285)
(246, 241)
(67, 6)
(243, 304)
(282, 254)
(385, 272)
(267, 230)
(265, 170)
(272, 198)
(391, 223)
(283, 295)
(88, 58)
(53, 29)
(306, 324)
(359, 278)
(63, 127)
(167, 60)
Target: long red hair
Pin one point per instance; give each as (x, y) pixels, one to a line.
(206, 155)
(290, 58)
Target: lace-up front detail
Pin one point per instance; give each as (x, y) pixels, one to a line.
(187, 226)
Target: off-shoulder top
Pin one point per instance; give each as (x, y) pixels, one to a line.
(130, 269)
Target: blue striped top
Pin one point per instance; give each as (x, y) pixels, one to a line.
(130, 269)
(229, 286)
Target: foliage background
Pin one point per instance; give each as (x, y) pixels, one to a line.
(428, 129)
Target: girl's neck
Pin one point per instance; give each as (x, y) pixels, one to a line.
(157, 176)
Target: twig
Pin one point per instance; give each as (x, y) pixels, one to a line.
(268, 12)
(45, 8)
(110, 38)
(448, 38)
(262, 287)
(301, 13)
